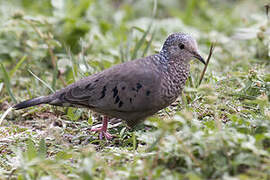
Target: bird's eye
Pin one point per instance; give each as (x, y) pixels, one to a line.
(181, 46)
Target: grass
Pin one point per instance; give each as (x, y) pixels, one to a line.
(218, 130)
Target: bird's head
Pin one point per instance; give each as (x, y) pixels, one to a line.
(182, 47)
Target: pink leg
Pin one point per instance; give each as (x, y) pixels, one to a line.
(103, 130)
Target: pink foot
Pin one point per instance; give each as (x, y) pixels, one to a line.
(102, 133)
(103, 130)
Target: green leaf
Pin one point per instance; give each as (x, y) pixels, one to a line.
(62, 155)
(31, 151)
(42, 149)
(74, 114)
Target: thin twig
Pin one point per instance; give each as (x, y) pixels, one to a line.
(207, 62)
(267, 7)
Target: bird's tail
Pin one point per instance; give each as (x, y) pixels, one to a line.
(33, 102)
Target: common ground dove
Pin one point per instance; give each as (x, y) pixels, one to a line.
(132, 90)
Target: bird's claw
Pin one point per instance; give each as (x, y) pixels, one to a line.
(102, 132)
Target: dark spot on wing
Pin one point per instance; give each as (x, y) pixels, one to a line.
(148, 93)
(117, 99)
(130, 100)
(123, 88)
(61, 97)
(120, 104)
(138, 87)
(88, 85)
(96, 80)
(103, 92)
(115, 91)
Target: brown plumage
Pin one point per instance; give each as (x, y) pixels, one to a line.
(133, 90)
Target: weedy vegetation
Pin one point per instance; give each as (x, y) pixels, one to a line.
(218, 129)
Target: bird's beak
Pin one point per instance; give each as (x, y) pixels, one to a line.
(199, 57)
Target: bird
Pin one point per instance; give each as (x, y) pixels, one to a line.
(133, 90)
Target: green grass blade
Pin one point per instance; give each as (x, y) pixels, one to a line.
(83, 55)
(28, 91)
(7, 83)
(143, 39)
(18, 65)
(43, 82)
(189, 10)
(55, 74)
(154, 12)
(74, 65)
(129, 40)
(148, 44)
(122, 54)
(140, 43)
(134, 141)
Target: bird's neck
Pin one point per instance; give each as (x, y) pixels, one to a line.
(178, 71)
(173, 65)
(175, 75)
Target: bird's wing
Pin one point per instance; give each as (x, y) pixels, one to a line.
(128, 87)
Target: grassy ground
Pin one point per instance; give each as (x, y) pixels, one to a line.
(218, 130)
